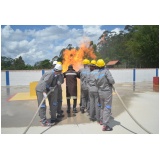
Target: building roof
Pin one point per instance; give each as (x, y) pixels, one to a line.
(111, 63)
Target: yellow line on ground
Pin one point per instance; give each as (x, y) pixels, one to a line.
(23, 96)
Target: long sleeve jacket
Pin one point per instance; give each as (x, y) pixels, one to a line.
(60, 78)
(49, 79)
(83, 74)
(104, 80)
(92, 81)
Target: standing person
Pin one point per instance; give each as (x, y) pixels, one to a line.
(47, 86)
(59, 107)
(71, 87)
(61, 80)
(48, 80)
(83, 74)
(93, 93)
(104, 82)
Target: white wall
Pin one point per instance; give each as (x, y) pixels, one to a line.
(21, 77)
(145, 74)
(24, 77)
(122, 75)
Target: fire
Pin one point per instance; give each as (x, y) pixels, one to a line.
(75, 57)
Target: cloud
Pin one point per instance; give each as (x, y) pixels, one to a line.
(36, 45)
(116, 30)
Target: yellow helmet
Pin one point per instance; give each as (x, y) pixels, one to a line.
(59, 63)
(86, 61)
(100, 63)
(93, 63)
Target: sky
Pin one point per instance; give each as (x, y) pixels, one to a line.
(39, 42)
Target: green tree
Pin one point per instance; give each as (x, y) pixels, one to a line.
(143, 44)
(7, 63)
(19, 63)
(29, 67)
(46, 64)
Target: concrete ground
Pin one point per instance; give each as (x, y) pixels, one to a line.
(141, 99)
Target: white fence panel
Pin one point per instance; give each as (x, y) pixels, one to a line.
(24, 77)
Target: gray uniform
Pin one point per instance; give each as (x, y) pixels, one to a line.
(46, 81)
(60, 78)
(83, 73)
(93, 95)
(104, 82)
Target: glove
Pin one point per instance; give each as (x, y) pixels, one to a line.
(59, 83)
(44, 95)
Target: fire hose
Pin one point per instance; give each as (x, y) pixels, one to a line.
(44, 98)
(128, 110)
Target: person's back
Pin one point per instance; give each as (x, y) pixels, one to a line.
(71, 87)
(92, 80)
(83, 74)
(71, 77)
(45, 81)
(104, 81)
(48, 82)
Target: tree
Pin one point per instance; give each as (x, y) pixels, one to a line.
(19, 63)
(6, 63)
(143, 43)
(46, 64)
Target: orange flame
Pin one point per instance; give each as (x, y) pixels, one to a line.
(75, 57)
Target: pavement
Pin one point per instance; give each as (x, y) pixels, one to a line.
(141, 100)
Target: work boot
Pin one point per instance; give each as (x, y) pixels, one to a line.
(92, 119)
(82, 110)
(60, 115)
(44, 122)
(54, 121)
(74, 110)
(100, 122)
(106, 128)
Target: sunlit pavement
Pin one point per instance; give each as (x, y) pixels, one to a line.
(141, 99)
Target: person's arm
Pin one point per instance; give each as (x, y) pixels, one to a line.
(47, 81)
(109, 77)
(60, 79)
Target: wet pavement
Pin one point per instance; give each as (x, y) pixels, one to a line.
(142, 99)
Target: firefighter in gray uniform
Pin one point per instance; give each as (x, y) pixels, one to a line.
(83, 74)
(48, 80)
(47, 86)
(59, 100)
(93, 93)
(104, 81)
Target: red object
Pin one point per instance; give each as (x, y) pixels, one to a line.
(156, 81)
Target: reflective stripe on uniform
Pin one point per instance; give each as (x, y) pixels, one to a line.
(71, 74)
(73, 97)
(43, 106)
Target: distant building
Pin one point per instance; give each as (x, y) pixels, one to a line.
(112, 64)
